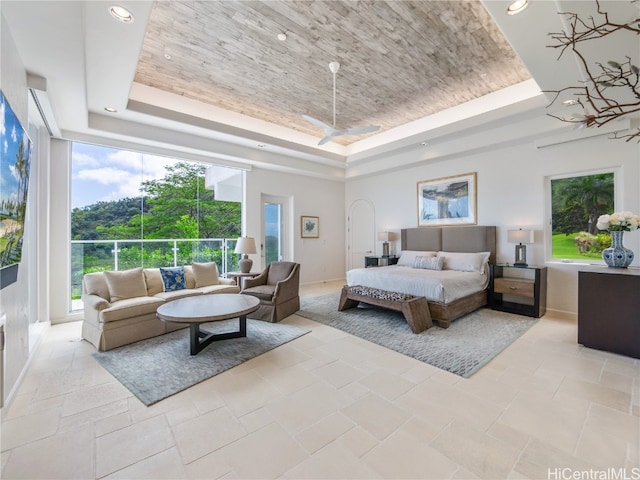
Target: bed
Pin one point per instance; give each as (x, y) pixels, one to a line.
(459, 288)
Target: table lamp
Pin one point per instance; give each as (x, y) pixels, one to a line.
(384, 238)
(520, 236)
(245, 245)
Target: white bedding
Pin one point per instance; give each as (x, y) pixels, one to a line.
(439, 286)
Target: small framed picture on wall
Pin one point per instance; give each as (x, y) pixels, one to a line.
(309, 227)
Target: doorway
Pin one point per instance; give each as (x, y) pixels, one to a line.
(361, 228)
(276, 227)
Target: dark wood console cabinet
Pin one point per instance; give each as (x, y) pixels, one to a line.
(609, 310)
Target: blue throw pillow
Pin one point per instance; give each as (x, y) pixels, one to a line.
(173, 279)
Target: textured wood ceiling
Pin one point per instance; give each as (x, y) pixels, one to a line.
(400, 60)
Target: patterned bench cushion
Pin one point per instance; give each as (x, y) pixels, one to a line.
(380, 294)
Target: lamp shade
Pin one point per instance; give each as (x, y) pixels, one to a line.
(246, 245)
(520, 236)
(383, 236)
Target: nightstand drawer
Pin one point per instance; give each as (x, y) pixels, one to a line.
(514, 286)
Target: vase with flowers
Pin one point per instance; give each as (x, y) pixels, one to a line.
(617, 256)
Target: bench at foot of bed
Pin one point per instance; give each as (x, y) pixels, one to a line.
(415, 309)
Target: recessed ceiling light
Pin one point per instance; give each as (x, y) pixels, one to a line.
(121, 14)
(424, 144)
(282, 37)
(110, 109)
(167, 56)
(517, 7)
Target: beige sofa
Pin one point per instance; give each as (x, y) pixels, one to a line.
(120, 307)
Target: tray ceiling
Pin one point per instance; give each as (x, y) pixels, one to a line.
(400, 60)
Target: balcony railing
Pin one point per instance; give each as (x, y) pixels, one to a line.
(98, 255)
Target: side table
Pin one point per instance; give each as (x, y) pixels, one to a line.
(239, 277)
(380, 261)
(520, 290)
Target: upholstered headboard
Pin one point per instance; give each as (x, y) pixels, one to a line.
(472, 238)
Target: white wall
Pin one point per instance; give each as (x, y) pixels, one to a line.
(14, 299)
(511, 192)
(323, 258)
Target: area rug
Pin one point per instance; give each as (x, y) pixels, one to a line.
(467, 345)
(161, 366)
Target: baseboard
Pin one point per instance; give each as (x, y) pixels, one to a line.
(562, 314)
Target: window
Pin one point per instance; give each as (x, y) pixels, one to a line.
(137, 210)
(576, 204)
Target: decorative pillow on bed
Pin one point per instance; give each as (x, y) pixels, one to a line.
(408, 257)
(429, 263)
(173, 279)
(465, 262)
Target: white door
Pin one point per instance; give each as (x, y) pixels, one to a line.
(361, 232)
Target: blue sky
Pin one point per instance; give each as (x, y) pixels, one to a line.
(12, 135)
(105, 174)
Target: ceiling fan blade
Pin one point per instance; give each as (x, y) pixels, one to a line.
(317, 123)
(360, 130)
(326, 139)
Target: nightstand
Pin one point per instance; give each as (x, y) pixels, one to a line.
(380, 261)
(521, 290)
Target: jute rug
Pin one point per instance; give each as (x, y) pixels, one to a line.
(467, 345)
(159, 367)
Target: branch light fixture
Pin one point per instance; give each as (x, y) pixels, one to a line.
(520, 237)
(612, 88)
(245, 245)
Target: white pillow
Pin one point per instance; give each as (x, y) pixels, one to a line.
(126, 284)
(429, 263)
(206, 274)
(408, 257)
(465, 262)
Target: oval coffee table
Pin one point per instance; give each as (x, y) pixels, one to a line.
(209, 308)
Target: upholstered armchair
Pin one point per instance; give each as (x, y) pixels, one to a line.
(277, 288)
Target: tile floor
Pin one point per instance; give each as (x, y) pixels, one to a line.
(329, 405)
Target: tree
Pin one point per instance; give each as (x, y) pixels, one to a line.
(177, 206)
(182, 193)
(106, 220)
(579, 201)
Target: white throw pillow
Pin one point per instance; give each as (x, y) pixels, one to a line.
(126, 284)
(429, 263)
(206, 274)
(408, 257)
(465, 262)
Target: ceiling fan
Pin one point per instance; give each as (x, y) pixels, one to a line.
(331, 131)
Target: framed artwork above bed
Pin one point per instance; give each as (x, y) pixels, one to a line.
(447, 201)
